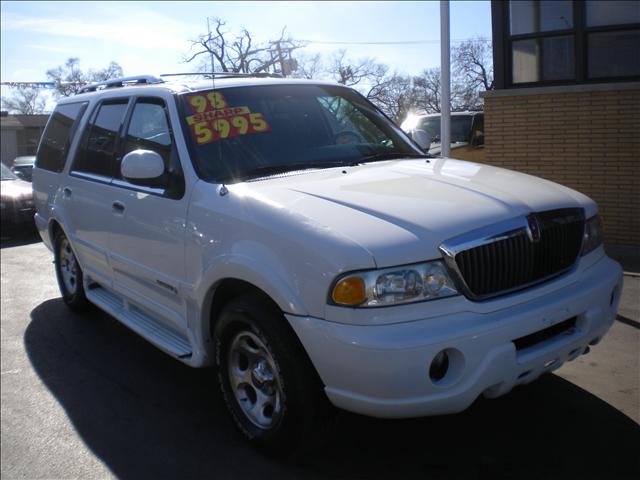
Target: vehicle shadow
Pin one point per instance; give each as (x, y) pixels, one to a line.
(18, 238)
(147, 416)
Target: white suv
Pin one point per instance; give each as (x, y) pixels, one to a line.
(289, 233)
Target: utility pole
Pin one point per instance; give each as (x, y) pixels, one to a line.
(445, 81)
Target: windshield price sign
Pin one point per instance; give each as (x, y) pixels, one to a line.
(213, 119)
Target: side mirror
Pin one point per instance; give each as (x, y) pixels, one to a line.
(421, 138)
(478, 138)
(143, 167)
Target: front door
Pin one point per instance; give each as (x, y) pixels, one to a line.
(148, 222)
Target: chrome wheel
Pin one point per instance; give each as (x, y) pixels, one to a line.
(68, 267)
(255, 380)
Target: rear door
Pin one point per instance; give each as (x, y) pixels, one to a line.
(55, 146)
(147, 233)
(87, 193)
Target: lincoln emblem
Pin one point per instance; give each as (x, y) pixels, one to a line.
(533, 228)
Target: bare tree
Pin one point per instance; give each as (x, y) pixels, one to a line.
(356, 72)
(241, 54)
(25, 101)
(309, 67)
(114, 70)
(428, 91)
(69, 78)
(395, 96)
(473, 60)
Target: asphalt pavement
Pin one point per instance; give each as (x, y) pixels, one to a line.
(84, 397)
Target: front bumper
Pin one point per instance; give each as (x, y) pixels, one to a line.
(383, 370)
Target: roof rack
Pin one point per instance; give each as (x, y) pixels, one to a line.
(226, 74)
(120, 82)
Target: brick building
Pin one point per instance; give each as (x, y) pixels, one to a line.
(19, 135)
(566, 104)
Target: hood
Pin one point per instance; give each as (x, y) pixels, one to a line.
(401, 211)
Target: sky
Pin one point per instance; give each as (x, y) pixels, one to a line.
(153, 37)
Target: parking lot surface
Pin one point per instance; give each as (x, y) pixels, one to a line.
(84, 397)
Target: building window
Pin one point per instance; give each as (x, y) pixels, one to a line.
(612, 12)
(540, 16)
(562, 41)
(538, 53)
(609, 54)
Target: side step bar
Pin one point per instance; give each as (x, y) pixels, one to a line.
(139, 322)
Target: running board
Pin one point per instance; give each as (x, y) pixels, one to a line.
(139, 322)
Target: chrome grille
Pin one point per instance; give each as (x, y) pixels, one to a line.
(517, 258)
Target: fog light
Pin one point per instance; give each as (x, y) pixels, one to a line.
(439, 366)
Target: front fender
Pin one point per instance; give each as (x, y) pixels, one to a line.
(254, 271)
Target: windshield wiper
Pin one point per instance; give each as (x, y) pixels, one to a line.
(268, 170)
(377, 157)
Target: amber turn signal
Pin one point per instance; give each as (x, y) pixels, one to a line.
(349, 291)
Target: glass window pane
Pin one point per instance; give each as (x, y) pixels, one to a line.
(98, 153)
(555, 15)
(526, 60)
(522, 19)
(284, 126)
(540, 16)
(612, 12)
(56, 137)
(149, 130)
(614, 54)
(558, 58)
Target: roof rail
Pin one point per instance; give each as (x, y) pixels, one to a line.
(120, 82)
(226, 74)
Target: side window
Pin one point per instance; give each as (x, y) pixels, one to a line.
(53, 149)
(149, 130)
(99, 145)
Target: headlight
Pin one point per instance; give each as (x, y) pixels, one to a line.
(391, 286)
(593, 235)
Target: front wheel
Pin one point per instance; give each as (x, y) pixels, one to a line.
(269, 385)
(69, 274)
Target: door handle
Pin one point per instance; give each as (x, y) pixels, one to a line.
(118, 207)
(66, 191)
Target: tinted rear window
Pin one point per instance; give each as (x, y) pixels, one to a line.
(52, 153)
(97, 154)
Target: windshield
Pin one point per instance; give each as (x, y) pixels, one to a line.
(243, 132)
(460, 128)
(6, 173)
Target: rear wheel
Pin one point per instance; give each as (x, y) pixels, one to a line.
(269, 385)
(69, 274)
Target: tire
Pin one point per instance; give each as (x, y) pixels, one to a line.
(69, 275)
(271, 389)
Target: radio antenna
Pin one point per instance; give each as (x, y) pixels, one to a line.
(223, 188)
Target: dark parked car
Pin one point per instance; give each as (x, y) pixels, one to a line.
(17, 203)
(23, 167)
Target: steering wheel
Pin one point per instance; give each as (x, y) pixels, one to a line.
(347, 137)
